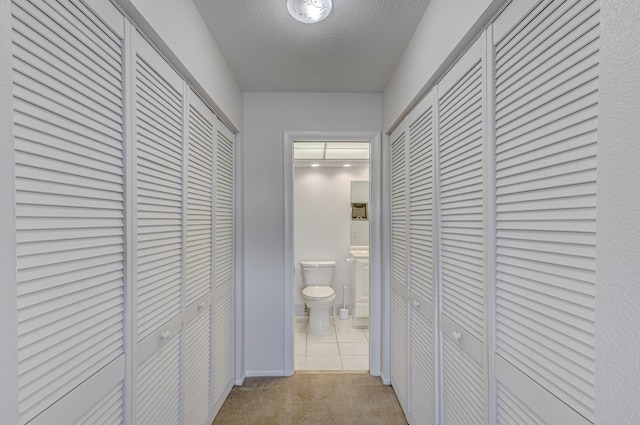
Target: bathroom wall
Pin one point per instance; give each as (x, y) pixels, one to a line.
(322, 221)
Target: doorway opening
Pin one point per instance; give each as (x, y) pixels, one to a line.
(333, 214)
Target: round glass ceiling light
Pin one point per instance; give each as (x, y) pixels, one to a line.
(309, 11)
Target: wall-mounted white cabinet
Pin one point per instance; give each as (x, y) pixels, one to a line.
(124, 189)
(493, 227)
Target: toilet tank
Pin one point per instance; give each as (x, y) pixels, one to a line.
(317, 273)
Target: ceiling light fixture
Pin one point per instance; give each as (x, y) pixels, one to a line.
(309, 11)
(315, 165)
(346, 165)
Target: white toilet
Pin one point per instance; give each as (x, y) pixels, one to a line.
(317, 293)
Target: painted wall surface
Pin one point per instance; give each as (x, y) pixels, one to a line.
(177, 28)
(618, 217)
(322, 222)
(446, 28)
(266, 117)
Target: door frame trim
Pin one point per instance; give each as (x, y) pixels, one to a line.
(375, 240)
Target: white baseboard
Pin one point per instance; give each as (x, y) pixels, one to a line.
(265, 373)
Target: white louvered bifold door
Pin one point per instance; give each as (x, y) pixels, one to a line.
(461, 113)
(158, 171)
(70, 220)
(546, 97)
(197, 379)
(197, 391)
(399, 263)
(421, 264)
(223, 352)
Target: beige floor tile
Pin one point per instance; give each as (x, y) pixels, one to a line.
(357, 336)
(355, 362)
(323, 363)
(353, 348)
(322, 338)
(322, 349)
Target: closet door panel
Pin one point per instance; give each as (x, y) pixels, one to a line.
(461, 107)
(197, 375)
(158, 177)
(400, 350)
(422, 384)
(546, 142)
(422, 388)
(69, 168)
(399, 269)
(199, 207)
(461, 134)
(421, 190)
(223, 353)
(198, 357)
(464, 385)
(158, 386)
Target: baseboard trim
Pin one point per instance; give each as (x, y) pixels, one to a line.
(265, 373)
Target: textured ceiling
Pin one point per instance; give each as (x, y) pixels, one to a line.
(354, 50)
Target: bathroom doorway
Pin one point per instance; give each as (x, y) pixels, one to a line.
(332, 213)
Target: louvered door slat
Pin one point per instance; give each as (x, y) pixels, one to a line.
(223, 264)
(461, 206)
(400, 355)
(512, 411)
(461, 165)
(546, 120)
(197, 369)
(463, 389)
(422, 366)
(199, 233)
(224, 208)
(69, 200)
(158, 112)
(399, 212)
(223, 346)
(110, 410)
(421, 206)
(158, 387)
(399, 272)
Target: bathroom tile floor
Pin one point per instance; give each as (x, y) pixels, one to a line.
(345, 348)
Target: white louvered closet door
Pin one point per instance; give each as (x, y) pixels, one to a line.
(197, 376)
(546, 97)
(399, 274)
(223, 352)
(461, 136)
(69, 167)
(158, 244)
(421, 263)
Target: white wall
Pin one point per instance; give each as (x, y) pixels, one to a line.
(177, 29)
(445, 30)
(322, 199)
(266, 117)
(618, 217)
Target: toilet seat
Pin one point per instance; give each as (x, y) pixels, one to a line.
(318, 293)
